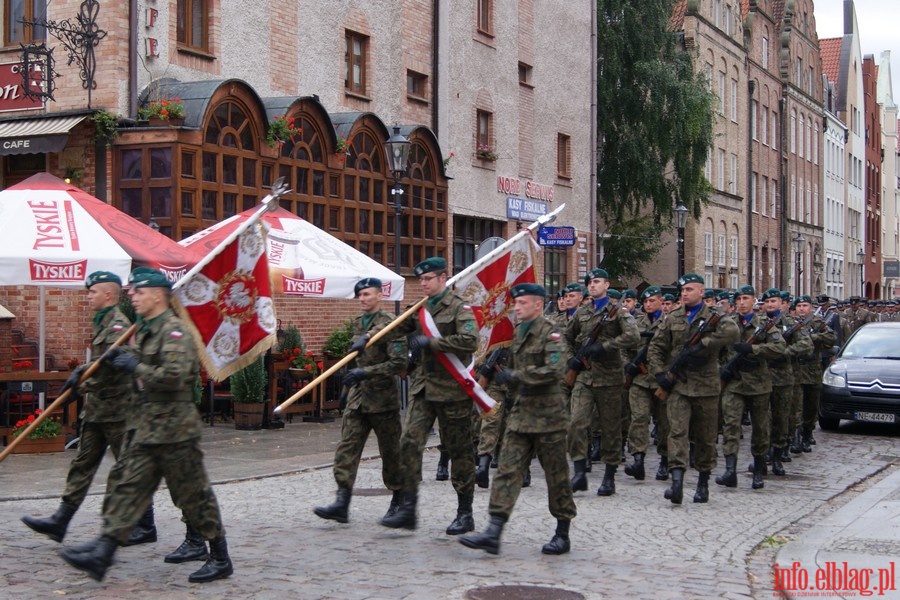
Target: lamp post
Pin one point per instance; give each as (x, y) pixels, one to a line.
(799, 241)
(681, 214)
(861, 255)
(397, 149)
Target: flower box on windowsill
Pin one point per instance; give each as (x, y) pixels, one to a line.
(40, 445)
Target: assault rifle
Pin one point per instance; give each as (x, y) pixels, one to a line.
(496, 360)
(674, 373)
(732, 369)
(800, 324)
(637, 366)
(590, 340)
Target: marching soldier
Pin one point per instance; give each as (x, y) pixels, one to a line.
(107, 402)
(537, 423)
(669, 303)
(435, 394)
(373, 404)
(166, 439)
(748, 384)
(809, 373)
(597, 333)
(683, 358)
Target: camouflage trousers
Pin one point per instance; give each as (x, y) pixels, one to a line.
(607, 400)
(698, 415)
(794, 410)
(733, 405)
(643, 403)
(780, 402)
(355, 429)
(809, 406)
(94, 439)
(515, 458)
(455, 422)
(492, 425)
(181, 464)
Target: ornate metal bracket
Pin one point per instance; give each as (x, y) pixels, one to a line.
(79, 40)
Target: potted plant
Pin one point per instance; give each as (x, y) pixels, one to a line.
(485, 152)
(338, 340)
(281, 130)
(46, 437)
(171, 110)
(289, 341)
(303, 364)
(248, 389)
(106, 127)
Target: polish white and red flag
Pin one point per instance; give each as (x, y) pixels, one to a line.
(228, 305)
(486, 290)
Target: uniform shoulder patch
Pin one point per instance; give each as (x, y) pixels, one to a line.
(555, 336)
(176, 334)
(117, 328)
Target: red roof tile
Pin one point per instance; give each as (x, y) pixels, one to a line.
(830, 49)
(677, 19)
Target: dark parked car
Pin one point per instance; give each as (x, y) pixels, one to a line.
(863, 382)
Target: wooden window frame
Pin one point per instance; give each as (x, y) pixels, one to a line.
(416, 86)
(484, 17)
(468, 233)
(352, 61)
(28, 34)
(184, 35)
(563, 156)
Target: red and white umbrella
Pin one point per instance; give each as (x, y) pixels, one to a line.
(55, 234)
(304, 260)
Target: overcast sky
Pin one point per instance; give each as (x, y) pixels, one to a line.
(878, 22)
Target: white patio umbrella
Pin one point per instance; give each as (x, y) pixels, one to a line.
(304, 260)
(55, 234)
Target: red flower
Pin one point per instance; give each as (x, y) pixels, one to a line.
(30, 419)
(37, 411)
(310, 353)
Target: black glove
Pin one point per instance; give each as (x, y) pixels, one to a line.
(419, 342)
(486, 372)
(663, 382)
(74, 376)
(125, 362)
(353, 376)
(112, 353)
(595, 351)
(342, 400)
(506, 377)
(742, 348)
(632, 369)
(726, 374)
(647, 334)
(575, 364)
(360, 343)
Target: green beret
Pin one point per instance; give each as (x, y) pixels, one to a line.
(101, 277)
(614, 294)
(594, 274)
(804, 298)
(669, 297)
(725, 295)
(771, 293)
(143, 277)
(690, 278)
(368, 282)
(430, 265)
(785, 296)
(709, 293)
(629, 293)
(653, 290)
(574, 287)
(527, 289)
(745, 290)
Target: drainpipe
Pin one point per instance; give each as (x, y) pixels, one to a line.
(782, 177)
(132, 57)
(751, 88)
(592, 209)
(435, 60)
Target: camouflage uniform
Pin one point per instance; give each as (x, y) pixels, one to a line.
(493, 424)
(166, 438)
(537, 421)
(373, 404)
(809, 375)
(107, 402)
(782, 375)
(642, 400)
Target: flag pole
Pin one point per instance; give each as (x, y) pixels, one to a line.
(542, 220)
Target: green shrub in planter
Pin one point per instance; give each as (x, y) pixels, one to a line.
(249, 384)
(339, 340)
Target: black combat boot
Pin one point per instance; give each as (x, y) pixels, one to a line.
(701, 496)
(785, 455)
(812, 440)
(729, 477)
(405, 517)
(662, 472)
(489, 539)
(443, 472)
(579, 479)
(759, 472)
(595, 449)
(676, 492)
(217, 566)
(691, 455)
(559, 543)
(797, 442)
(777, 467)
(752, 466)
(94, 559)
(192, 548)
(745, 419)
(806, 441)
(394, 506)
(337, 510)
(53, 527)
(463, 523)
(145, 530)
(526, 478)
(608, 485)
(636, 469)
(588, 466)
(483, 471)
(769, 456)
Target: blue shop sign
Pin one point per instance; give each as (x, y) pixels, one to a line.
(556, 236)
(522, 209)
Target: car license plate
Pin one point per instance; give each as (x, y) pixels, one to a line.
(874, 417)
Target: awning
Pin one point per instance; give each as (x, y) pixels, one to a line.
(36, 136)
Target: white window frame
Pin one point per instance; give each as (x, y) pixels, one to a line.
(720, 250)
(754, 108)
(764, 125)
(773, 198)
(763, 200)
(733, 252)
(722, 93)
(734, 100)
(733, 172)
(720, 168)
(774, 130)
(754, 178)
(707, 248)
(765, 51)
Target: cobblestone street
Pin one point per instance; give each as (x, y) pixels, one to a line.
(634, 544)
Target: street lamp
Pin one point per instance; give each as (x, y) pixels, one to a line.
(861, 255)
(799, 241)
(681, 215)
(397, 150)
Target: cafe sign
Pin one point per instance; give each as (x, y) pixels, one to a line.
(12, 96)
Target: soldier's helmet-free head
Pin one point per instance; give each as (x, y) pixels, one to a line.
(527, 289)
(653, 290)
(575, 287)
(823, 299)
(614, 294)
(745, 290)
(668, 298)
(709, 293)
(594, 274)
(629, 294)
(433, 264)
(771, 293)
(101, 277)
(805, 298)
(725, 295)
(145, 277)
(690, 278)
(368, 282)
